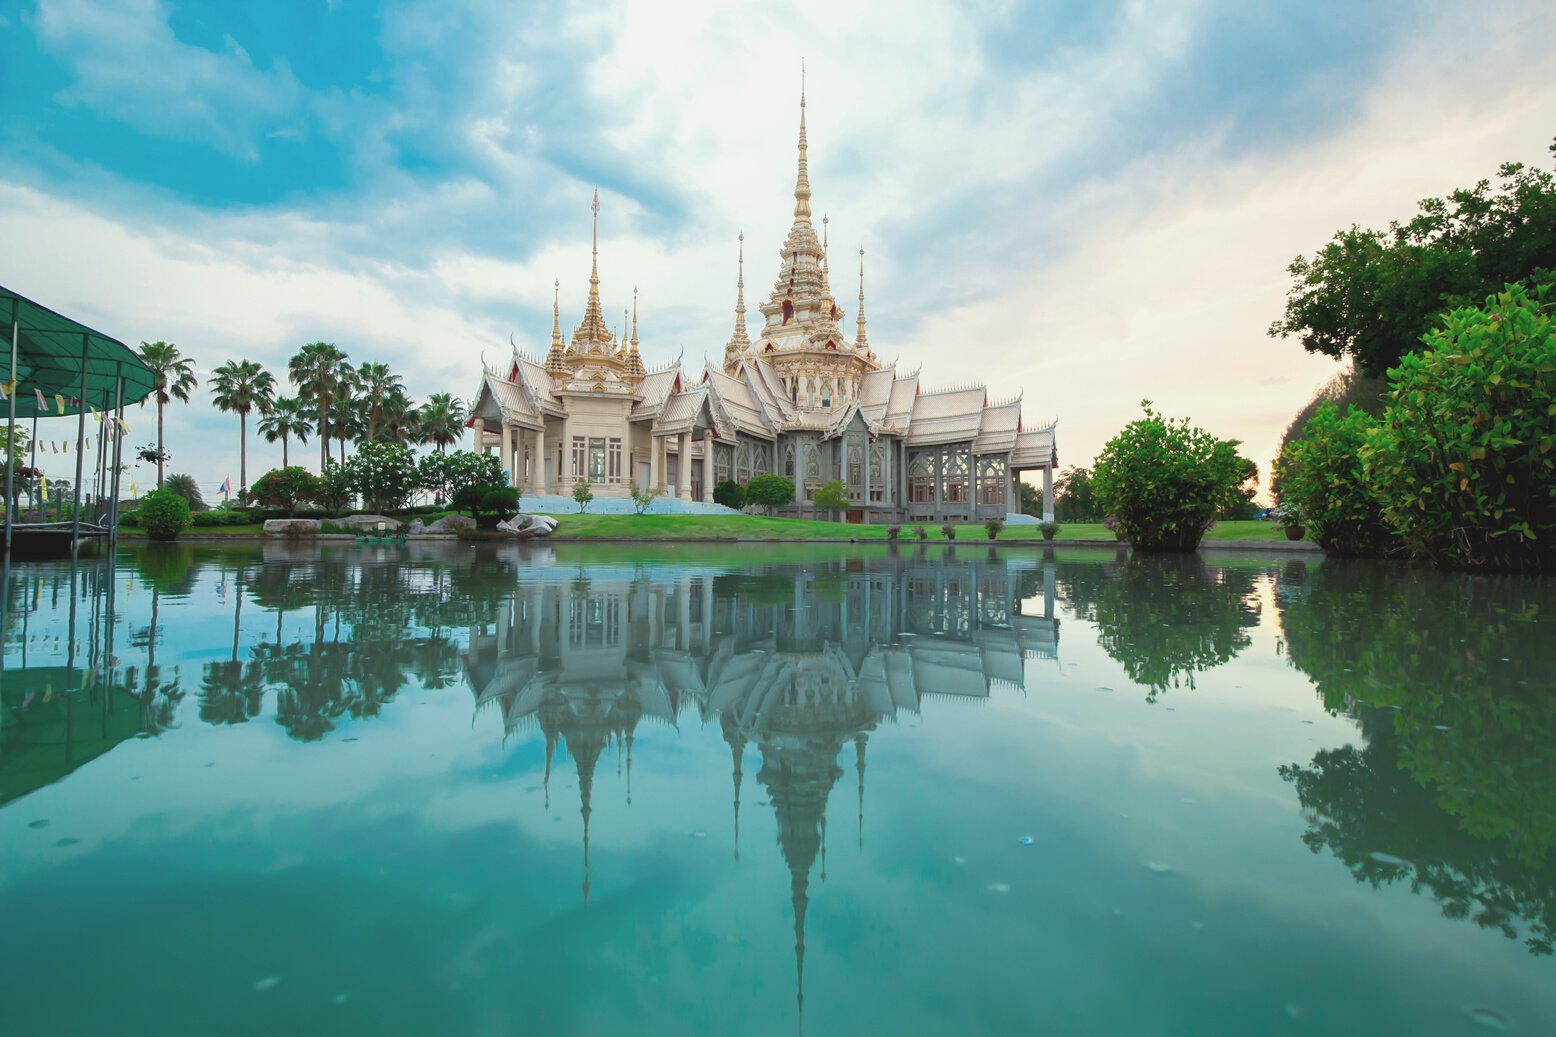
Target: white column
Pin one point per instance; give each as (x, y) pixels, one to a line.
(479, 427)
(683, 467)
(1048, 493)
(653, 462)
(867, 479)
(707, 467)
(505, 450)
(564, 484)
(541, 468)
(1012, 490)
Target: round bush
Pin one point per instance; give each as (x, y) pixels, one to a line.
(164, 514)
(1322, 479)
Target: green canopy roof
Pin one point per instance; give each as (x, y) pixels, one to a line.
(49, 360)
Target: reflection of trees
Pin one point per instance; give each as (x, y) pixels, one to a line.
(1458, 776)
(1164, 617)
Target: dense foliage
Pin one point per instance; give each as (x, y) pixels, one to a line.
(1165, 481)
(335, 487)
(448, 474)
(1372, 294)
(185, 486)
(770, 491)
(730, 494)
(830, 496)
(1464, 459)
(163, 514)
(1075, 498)
(285, 488)
(384, 474)
(1323, 483)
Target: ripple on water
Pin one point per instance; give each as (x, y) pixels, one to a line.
(1488, 1018)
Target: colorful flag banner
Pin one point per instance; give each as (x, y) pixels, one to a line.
(124, 426)
(59, 401)
(134, 495)
(226, 486)
(42, 404)
(43, 489)
(3, 394)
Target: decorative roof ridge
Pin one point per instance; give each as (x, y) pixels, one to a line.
(971, 387)
(1013, 401)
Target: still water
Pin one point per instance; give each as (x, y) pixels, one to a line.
(658, 790)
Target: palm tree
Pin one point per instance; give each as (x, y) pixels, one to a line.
(318, 370)
(288, 417)
(442, 420)
(172, 377)
(241, 386)
(377, 384)
(399, 422)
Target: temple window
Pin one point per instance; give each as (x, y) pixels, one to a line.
(955, 489)
(788, 311)
(921, 479)
(991, 481)
(826, 396)
(831, 344)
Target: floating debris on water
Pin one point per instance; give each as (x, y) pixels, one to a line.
(1158, 868)
(1489, 1018)
(268, 983)
(1104, 689)
(998, 887)
(959, 860)
(1294, 1011)
(699, 834)
(340, 999)
(42, 822)
(69, 840)
(1197, 926)
(1026, 840)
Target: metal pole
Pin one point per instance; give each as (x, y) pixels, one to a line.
(75, 521)
(10, 469)
(118, 454)
(33, 464)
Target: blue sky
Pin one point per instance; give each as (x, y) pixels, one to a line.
(1089, 203)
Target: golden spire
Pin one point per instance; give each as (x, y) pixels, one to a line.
(860, 341)
(739, 342)
(802, 182)
(634, 318)
(592, 336)
(556, 315)
(634, 368)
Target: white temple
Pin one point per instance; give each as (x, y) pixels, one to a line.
(802, 400)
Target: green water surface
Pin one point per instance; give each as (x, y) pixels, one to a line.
(445, 789)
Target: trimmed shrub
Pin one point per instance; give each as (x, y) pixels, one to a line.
(1164, 482)
(285, 488)
(500, 500)
(770, 491)
(729, 494)
(994, 526)
(643, 499)
(1322, 483)
(164, 514)
(1048, 529)
(1464, 460)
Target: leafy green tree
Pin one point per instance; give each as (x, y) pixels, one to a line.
(1321, 476)
(321, 374)
(643, 498)
(447, 475)
(164, 514)
(1464, 460)
(1165, 481)
(1372, 294)
(238, 387)
(1075, 498)
(582, 495)
(384, 475)
(770, 491)
(286, 418)
(441, 420)
(172, 378)
(285, 488)
(830, 496)
(186, 487)
(729, 494)
(335, 487)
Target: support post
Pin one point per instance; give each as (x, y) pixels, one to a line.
(75, 521)
(10, 469)
(118, 454)
(505, 450)
(1048, 493)
(683, 466)
(654, 443)
(542, 465)
(707, 467)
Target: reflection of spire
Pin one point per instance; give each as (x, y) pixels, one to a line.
(550, 751)
(737, 753)
(586, 754)
(629, 769)
(859, 744)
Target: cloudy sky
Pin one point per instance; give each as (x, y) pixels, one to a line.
(1087, 202)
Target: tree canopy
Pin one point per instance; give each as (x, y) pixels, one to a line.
(1372, 294)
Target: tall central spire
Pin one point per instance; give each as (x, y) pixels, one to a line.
(860, 342)
(802, 182)
(592, 336)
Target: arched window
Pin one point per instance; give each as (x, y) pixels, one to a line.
(826, 395)
(770, 347)
(788, 311)
(921, 479)
(831, 344)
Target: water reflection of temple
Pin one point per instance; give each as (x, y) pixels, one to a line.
(804, 661)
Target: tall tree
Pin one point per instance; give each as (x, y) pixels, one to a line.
(172, 377)
(377, 385)
(238, 387)
(1372, 294)
(441, 420)
(287, 418)
(321, 374)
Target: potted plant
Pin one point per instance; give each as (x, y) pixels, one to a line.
(948, 531)
(1048, 529)
(921, 532)
(893, 532)
(994, 525)
(1290, 516)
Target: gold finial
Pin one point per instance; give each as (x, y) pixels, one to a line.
(802, 181)
(634, 318)
(860, 341)
(592, 335)
(556, 314)
(739, 342)
(825, 245)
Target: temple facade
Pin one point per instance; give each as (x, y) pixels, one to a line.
(800, 399)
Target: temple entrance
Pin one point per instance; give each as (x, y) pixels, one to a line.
(855, 516)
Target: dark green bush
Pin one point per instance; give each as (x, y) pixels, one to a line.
(730, 494)
(500, 500)
(1321, 475)
(1464, 459)
(285, 488)
(770, 491)
(164, 514)
(1164, 482)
